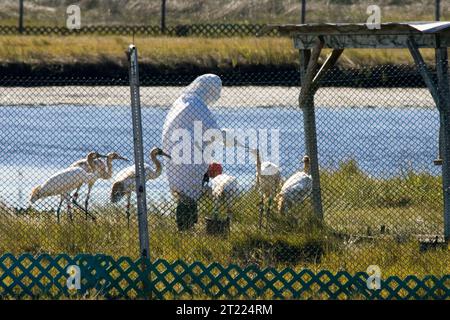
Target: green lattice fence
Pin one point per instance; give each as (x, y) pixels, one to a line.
(102, 276)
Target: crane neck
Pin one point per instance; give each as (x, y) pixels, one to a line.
(109, 168)
(91, 163)
(158, 167)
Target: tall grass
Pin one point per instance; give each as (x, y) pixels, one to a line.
(162, 50)
(367, 221)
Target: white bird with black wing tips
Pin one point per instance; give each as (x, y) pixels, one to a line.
(64, 182)
(100, 170)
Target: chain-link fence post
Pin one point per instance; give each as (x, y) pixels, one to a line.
(138, 152)
(163, 16)
(139, 163)
(303, 14)
(21, 16)
(437, 10)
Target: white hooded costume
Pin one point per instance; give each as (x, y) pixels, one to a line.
(186, 177)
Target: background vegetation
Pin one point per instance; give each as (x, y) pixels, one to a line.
(101, 12)
(192, 52)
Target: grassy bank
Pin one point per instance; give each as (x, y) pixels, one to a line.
(367, 221)
(163, 51)
(171, 53)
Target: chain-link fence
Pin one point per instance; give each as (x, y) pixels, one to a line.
(381, 191)
(182, 30)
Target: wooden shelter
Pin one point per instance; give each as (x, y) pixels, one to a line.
(310, 39)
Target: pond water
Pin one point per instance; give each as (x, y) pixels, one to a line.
(36, 142)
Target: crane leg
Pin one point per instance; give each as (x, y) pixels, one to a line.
(281, 203)
(216, 208)
(74, 197)
(69, 208)
(268, 213)
(86, 202)
(229, 216)
(75, 203)
(128, 209)
(261, 211)
(229, 210)
(58, 211)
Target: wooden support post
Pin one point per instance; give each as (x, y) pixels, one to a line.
(444, 110)
(327, 65)
(310, 84)
(304, 60)
(424, 72)
(307, 79)
(431, 85)
(306, 103)
(441, 96)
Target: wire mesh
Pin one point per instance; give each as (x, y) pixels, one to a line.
(377, 139)
(181, 30)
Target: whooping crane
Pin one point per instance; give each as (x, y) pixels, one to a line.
(296, 189)
(125, 181)
(65, 181)
(268, 179)
(101, 171)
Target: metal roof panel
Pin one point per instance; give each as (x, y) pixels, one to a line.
(362, 28)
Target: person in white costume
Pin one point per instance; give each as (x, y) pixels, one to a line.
(187, 169)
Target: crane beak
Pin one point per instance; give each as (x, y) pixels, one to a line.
(251, 150)
(123, 158)
(166, 155)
